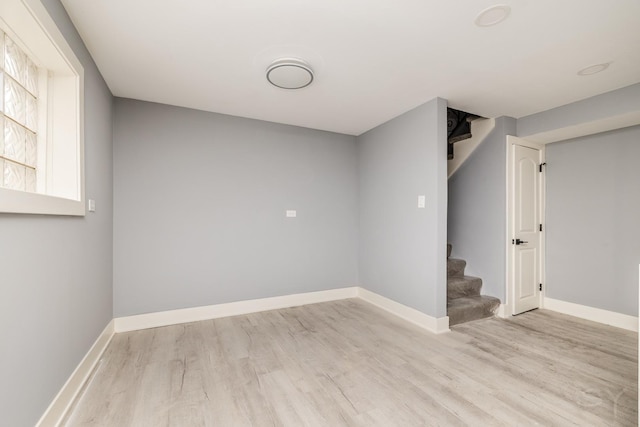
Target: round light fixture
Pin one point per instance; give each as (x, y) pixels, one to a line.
(593, 69)
(493, 15)
(290, 73)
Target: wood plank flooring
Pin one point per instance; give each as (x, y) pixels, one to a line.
(347, 363)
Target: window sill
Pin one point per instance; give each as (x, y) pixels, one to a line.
(12, 201)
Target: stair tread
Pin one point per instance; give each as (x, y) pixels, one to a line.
(460, 279)
(455, 267)
(470, 308)
(472, 300)
(463, 286)
(464, 302)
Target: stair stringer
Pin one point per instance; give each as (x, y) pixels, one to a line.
(480, 128)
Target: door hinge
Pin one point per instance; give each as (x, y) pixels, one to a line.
(541, 165)
(540, 227)
(540, 286)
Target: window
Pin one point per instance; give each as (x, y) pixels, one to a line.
(18, 118)
(41, 114)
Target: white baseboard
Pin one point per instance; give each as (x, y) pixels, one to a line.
(504, 311)
(65, 398)
(612, 318)
(70, 390)
(436, 325)
(194, 314)
(58, 408)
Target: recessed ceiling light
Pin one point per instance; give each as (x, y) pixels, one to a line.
(493, 15)
(290, 73)
(593, 69)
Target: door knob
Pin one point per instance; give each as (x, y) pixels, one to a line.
(520, 242)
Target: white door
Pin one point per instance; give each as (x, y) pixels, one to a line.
(525, 200)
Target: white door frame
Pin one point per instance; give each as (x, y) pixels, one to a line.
(510, 248)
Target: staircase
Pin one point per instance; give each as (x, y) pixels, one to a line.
(464, 302)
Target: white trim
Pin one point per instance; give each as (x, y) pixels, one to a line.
(431, 324)
(70, 390)
(46, 22)
(61, 404)
(599, 315)
(63, 193)
(504, 311)
(34, 203)
(510, 249)
(509, 291)
(194, 314)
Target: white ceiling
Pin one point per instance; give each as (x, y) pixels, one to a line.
(373, 59)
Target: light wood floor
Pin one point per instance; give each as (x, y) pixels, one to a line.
(347, 363)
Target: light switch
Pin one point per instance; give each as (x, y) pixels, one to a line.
(291, 214)
(422, 201)
(92, 205)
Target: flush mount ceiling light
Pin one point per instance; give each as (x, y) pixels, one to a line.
(290, 73)
(493, 15)
(593, 69)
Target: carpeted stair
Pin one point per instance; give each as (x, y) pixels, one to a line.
(464, 302)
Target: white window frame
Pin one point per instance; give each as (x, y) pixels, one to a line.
(63, 190)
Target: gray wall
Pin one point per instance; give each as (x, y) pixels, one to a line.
(200, 202)
(593, 206)
(477, 210)
(56, 272)
(402, 248)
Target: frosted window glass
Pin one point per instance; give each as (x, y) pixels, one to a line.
(14, 176)
(30, 180)
(32, 78)
(1, 92)
(31, 112)
(14, 141)
(1, 53)
(18, 117)
(14, 101)
(1, 136)
(31, 149)
(15, 61)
